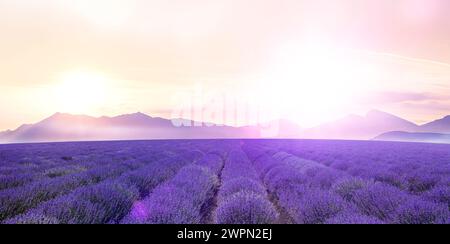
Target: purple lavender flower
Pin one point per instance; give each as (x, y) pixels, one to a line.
(350, 217)
(316, 206)
(178, 201)
(281, 176)
(166, 205)
(32, 218)
(246, 208)
(100, 204)
(439, 194)
(422, 182)
(347, 187)
(379, 200)
(213, 162)
(416, 211)
(241, 184)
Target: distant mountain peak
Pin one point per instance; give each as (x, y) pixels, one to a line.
(65, 118)
(365, 127)
(138, 114)
(380, 115)
(66, 115)
(376, 112)
(438, 126)
(134, 115)
(57, 115)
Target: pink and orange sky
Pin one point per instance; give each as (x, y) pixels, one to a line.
(310, 60)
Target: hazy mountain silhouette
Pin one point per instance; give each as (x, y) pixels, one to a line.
(139, 126)
(414, 137)
(361, 127)
(67, 127)
(438, 126)
(437, 131)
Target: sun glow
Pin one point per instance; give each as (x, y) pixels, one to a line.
(318, 82)
(81, 92)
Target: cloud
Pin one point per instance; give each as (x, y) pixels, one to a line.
(441, 106)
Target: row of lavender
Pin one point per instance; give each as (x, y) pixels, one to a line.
(419, 169)
(220, 188)
(22, 164)
(312, 192)
(103, 194)
(243, 198)
(413, 167)
(183, 199)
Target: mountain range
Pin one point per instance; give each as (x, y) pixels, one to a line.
(376, 125)
(137, 126)
(360, 127)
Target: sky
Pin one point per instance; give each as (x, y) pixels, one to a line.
(310, 61)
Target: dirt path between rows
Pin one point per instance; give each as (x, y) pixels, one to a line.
(209, 208)
(284, 217)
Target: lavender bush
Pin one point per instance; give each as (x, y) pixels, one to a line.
(416, 211)
(243, 198)
(440, 194)
(243, 184)
(351, 217)
(33, 218)
(246, 208)
(179, 201)
(167, 205)
(379, 200)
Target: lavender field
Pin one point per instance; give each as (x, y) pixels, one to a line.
(225, 182)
